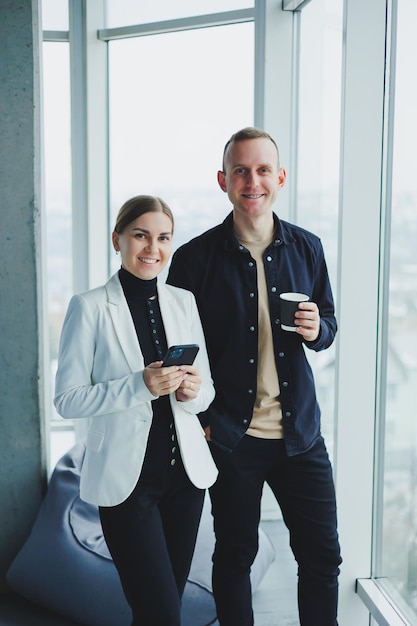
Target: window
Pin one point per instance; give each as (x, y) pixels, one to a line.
(317, 193)
(173, 105)
(396, 559)
(126, 12)
(55, 15)
(58, 212)
(171, 113)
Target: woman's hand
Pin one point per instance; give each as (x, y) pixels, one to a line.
(190, 385)
(162, 381)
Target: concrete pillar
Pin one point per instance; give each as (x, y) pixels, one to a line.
(22, 454)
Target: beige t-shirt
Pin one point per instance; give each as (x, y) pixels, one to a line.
(266, 421)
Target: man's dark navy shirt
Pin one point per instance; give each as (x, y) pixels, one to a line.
(223, 277)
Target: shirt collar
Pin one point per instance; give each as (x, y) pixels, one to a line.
(231, 242)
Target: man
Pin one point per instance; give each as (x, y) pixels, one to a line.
(264, 423)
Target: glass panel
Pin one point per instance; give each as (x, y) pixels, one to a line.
(398, 561)
(55, 15)
(318, 160)
(57, 202)
(126, 12)
(172, 108)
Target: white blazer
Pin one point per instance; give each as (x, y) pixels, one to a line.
(99, 377)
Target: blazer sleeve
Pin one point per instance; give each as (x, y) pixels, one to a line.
(84, 386)
(207, 393)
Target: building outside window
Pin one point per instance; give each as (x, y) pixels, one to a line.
(396, 544)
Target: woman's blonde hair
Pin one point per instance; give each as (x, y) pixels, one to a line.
(137, 206)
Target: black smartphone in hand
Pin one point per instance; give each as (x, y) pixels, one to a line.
(181, 355)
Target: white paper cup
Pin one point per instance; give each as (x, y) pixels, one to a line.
(289, 305)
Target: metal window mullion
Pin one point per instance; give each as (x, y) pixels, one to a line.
(295, 120)
(294, 5)
(186, 23)
(55, 36)
(259, 77)
(383, 316)
(359, 247)
(78, 146)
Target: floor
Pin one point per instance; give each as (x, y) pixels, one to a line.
(274, 601)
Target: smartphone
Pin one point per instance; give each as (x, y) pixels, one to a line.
(181, 355)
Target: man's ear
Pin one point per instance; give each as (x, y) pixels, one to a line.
(221, 179)
(282, 176)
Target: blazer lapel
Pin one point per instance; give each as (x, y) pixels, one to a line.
(123, 325)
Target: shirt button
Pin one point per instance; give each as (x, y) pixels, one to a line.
(276, 321)
(250, 391)
(240, 247)
(245, 421)
(269, 258)
(172, 461)
(173, 449)
(251, 295)
(287, 413)
(273, 289)
(251, 328)
(152, 321)
(250, 264)
(172, 437)
(285, 384)
(251, 361)
(281, 354)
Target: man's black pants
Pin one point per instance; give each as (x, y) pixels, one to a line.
(303, 486)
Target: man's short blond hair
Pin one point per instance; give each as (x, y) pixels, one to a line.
(250, 132)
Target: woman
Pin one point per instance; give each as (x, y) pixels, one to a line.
(147, 462)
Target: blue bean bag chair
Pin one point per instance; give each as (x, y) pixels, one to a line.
(65, 566)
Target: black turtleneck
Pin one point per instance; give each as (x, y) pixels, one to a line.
(142, 299)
